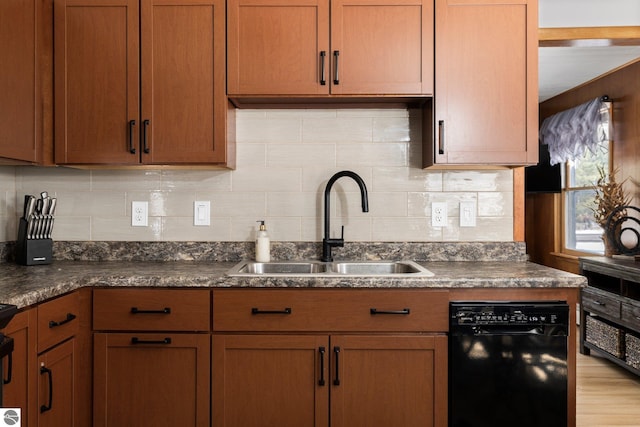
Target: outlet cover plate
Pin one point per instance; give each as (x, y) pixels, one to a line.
(202, 212)
(439, 214)
(468, 214)
(139, 214)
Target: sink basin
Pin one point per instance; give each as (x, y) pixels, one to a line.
(286, 268)
(337, 268)
(365, 268)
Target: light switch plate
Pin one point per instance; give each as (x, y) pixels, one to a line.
(439, 214)
(139, 214)
(468, 214)
(202, 212)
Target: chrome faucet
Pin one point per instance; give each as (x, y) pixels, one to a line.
(327, 241)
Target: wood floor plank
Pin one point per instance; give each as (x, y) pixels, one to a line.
(607, 395)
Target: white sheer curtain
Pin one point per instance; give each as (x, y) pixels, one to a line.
(569, 133)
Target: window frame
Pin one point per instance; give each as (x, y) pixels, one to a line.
(566, 188)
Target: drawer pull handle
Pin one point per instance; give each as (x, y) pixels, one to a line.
(336, 77)
(323, 79)
(136, 340)
(256, 310)
(69, 318)
(321, 350)
(404, 311)
(599, 303)
(135, 310)
(45, 370)
(132, 147)
(336, 380)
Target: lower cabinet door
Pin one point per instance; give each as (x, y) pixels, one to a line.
(388, 381)
(56, 386)
(151, 379)
(270, 380)
(19, 382)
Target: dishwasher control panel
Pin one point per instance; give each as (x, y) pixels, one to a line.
(508, 313)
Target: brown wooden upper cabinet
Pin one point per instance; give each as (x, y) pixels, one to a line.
(486, 95)
(323, 47)
(140, 82)
(22, 27)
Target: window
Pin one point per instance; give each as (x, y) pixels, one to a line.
(581, 232)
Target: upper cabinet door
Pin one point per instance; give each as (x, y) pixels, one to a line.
(183, 117)
(382, 47)
(278, 47)
(20, 108)
(96, 81)
(486, 100)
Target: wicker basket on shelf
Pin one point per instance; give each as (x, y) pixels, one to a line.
(632, 350)
(605, 336)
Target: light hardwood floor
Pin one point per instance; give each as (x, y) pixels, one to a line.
(607, 395)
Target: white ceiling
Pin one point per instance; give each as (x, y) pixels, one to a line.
(563, 68)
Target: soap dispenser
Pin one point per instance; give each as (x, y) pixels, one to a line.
(263, 245)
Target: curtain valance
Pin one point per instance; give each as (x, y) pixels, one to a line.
(569, 133)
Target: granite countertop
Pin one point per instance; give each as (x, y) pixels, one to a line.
(24, 286)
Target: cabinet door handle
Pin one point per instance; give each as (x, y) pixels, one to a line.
(145, 126)
(255, 310)
(69, 318)
(404, 311)
(321, 350)
(45, 370)
(441, 136)
(336, 68)
(9, 369)
(132, 147)
(323, 78)
(136, 340)
(136, 310)
(336, 380)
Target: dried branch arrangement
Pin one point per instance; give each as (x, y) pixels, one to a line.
(609, 196)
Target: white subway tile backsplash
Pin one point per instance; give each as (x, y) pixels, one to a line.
(267, 179)
(495, 204)
(489, 180)
(394, 129)
(285, 155)
(276, 130)
(339, 129)
(239, 204)
(75, 228)
(404, 230)
(293, 204)
(284, 159)
(406, 179)
(374, 154)
(123, 180)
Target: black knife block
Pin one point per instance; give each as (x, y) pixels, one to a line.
(32, 251)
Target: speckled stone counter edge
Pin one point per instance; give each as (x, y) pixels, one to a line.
(237, 251)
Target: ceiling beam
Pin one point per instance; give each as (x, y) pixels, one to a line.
(589, 36)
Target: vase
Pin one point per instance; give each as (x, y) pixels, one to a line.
(610, 248)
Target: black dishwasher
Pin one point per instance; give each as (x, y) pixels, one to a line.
(508, 363)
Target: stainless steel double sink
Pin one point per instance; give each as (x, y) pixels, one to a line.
(336, 268)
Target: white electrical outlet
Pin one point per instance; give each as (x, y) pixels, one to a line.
(468, 214)
(139, 214)
(202, 212)
(439, 214)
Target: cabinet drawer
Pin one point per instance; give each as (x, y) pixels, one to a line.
(631, 314)
(601, 302)
(58, 320)
(330, 310)
(151, 310)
